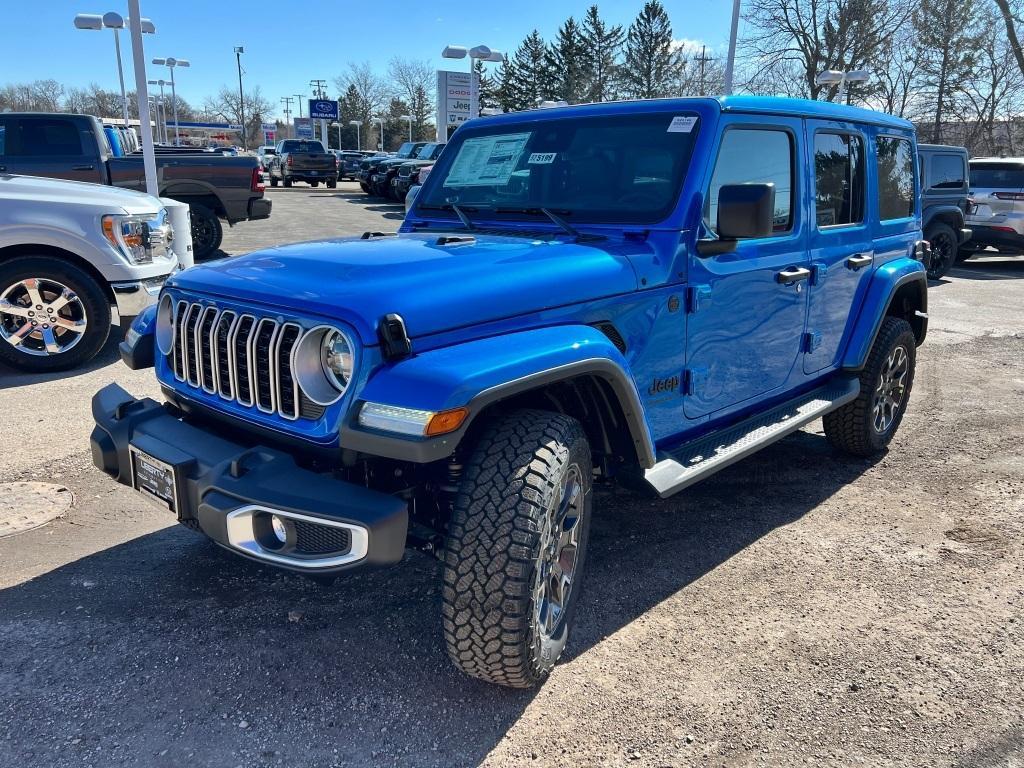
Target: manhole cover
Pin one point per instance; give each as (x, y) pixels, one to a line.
(24, 506)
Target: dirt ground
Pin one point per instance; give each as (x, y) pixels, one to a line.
(799, 608)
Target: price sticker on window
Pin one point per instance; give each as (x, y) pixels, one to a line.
(542, 158)
(682, 124)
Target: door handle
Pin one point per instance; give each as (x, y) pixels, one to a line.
(3, 169)
(791, 275)
(83, 168)
(859, 260)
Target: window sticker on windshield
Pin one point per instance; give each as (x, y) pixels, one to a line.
(542, 158)
(681, 124)
(487, 161)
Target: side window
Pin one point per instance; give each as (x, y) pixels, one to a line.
(838, 179)
(895, 162)
(948, 172)
(49, 138)
(3, 139)
(754, 156)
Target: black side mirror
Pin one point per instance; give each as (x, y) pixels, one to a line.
(744, 211)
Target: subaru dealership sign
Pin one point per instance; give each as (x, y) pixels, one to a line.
(321, 109)
(455, 101)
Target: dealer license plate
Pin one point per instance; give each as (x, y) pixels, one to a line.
(154, 479)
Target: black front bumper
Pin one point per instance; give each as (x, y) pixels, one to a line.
(221, 485)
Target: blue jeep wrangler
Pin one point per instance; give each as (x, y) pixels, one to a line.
(640, 293)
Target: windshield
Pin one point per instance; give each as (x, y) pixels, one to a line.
(625, 168)
(268, 150)
(406, 150)
(997, 176)
(302, 146)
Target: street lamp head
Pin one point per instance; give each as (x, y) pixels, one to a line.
(497, 56)
(181, 63)
(829, 77)
(148, 28)
(239, 49)
(357, 123)
(858, 76)
(88, 21)
(405, 117)
(479, 52)
(113, 20)
(160, 62)
(454, 52)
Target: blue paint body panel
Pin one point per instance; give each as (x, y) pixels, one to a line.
(707, 339)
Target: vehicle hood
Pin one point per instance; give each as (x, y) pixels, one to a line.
(433, 287)
(77, 193)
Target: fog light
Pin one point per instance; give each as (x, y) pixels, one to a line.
(280, 529)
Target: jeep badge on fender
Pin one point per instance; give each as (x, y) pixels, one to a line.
(460, 386)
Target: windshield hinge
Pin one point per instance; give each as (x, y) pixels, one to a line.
(394, 339)
(377, 235)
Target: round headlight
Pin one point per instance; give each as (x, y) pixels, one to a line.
(165, 325)
(336, 357)
(322, 363)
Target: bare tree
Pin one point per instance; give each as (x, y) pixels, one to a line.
(817, 35)
(896, 90)
(414, 83)
(366, 95)
(1010, 11)
(227, 107)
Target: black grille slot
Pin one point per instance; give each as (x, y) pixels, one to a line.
(261, 363)
(314, 539)
(288, 406)
(308, 409)
(223, 366)
(209, 317)
(241, 352)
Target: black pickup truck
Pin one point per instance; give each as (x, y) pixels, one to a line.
(75, 147)
(303, 160)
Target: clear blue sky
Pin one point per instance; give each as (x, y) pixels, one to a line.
(41, 42)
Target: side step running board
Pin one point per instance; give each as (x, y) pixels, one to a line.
(683, 466)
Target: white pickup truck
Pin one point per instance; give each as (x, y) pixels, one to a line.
(69, 252)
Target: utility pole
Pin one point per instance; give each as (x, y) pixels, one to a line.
(239, 50)
(318, 92)
(299, 98)
(703, 59)
(287, 101)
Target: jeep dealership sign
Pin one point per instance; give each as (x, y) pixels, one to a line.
(455, 102)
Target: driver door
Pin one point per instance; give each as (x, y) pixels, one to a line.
(748, 307)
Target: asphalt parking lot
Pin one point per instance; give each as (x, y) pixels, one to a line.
(800, 607)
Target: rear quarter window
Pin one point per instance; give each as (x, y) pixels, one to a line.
(947, 172)
(895, 163)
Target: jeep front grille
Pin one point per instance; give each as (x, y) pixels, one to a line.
(240, 357)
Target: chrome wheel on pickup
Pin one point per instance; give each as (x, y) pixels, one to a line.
(53, 315)
(516, 546)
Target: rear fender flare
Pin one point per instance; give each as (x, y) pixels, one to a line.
(903, 274)
(480, 373)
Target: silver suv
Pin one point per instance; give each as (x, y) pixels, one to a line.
(997, 217)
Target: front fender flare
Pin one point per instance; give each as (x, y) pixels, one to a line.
(885, 283)
(479, 373)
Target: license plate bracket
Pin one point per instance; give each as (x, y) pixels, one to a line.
(155, 479)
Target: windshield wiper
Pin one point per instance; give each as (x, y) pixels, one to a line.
(460, 212)
(556, 219)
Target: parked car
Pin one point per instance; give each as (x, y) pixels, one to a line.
(69, 252)
(264, 154)
(75, 147)
(368, 168)
(673, 285)
(420, 176)
(303, 160)
(944, 203)
(404, 175)
(387, 169)
(348, 164)
(997, 219)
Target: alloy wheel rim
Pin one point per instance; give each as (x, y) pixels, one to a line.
(202, 234)
(942, 255)
(559, 554)
(891, 390)
(41, 317)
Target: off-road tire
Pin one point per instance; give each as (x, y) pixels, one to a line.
(314, 183)
(273, 181)
(364, 186)
(851, 428)
(944, 249)
(493, 548)
(287, 183)
(332, 185)
(94, 301)
(207, 231)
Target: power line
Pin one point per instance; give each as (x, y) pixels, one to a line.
(318, 88)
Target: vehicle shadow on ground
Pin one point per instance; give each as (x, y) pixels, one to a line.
(11, 377)
(178, 641)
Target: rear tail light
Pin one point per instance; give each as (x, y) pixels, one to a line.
(1011, 230)
(289, 161)
(1008, 195)
(257, 184)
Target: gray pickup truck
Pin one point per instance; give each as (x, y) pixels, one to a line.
(303, 160)
(74, 147)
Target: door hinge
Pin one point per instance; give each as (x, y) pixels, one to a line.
(697, 296)
(694, 380)
(812, 340)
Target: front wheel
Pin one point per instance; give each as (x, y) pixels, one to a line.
(53, 315)
(866, 425)
(314, 183)
(273, 181)
(287, 182)
(515, 548)
(332, 184)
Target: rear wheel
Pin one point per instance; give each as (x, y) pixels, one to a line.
(273, 181)
(866, 425)
(287, 182)
(207, 232)
(944, 247)
(314, 183)
(516, 547)
(332, 185)
(53, 315)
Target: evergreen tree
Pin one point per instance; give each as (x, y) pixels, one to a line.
(651, 63)
(946, 42)
(487, 87)
(569, 63)
(604, 46)
(530, 79)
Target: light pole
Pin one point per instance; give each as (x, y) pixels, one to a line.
(408, 118)
(841, 79)
(170, 62)
(116, 22)
(161, 112)
(481, 52)
(380, 136)
(359, 131)
(337, 124)
(239, 50)
(730, 62)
